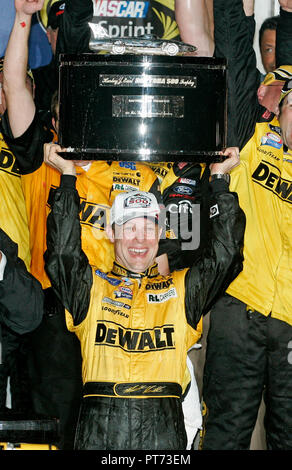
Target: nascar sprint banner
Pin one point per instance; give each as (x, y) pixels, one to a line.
(128, 18)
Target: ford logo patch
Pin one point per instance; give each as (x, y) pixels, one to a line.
(183, 190)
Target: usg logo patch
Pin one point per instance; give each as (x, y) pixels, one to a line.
(163, 297)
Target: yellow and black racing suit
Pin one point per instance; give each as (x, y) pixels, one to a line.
(135, 329)
(251, 325)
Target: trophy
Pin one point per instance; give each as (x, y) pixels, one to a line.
(143, 99)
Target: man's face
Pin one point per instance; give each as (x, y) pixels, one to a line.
(285, 120)
(136, 243)
(268, 50)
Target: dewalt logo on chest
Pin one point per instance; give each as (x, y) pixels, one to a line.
(134, 340)
(269, 176)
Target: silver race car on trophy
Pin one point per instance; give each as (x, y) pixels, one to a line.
(147, 44)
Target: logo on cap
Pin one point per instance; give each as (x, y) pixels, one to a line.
(137, 201)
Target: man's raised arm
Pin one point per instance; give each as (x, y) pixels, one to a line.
(195, 22)
(19, 99)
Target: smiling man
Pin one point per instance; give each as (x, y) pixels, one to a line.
(135, 326)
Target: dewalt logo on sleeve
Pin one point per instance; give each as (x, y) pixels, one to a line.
(268, 176)
(263, 181)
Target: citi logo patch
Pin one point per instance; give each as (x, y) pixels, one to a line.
(159, 298)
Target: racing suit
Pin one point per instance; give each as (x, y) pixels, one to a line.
(21, 310)
(135, 329)
(13, 222)
(256, 309)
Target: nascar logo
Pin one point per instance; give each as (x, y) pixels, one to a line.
(121, 8)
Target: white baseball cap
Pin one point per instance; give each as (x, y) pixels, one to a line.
(133, 204)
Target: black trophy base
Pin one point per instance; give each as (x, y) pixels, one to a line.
(143, 108)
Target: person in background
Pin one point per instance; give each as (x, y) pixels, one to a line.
(267, 42)
(13, 221)
(256, 309)
(21, 311)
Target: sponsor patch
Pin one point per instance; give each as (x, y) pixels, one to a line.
(123, 292)
(187, 181)
(137, 201)
(214, 210)
(116, 303)
(273, 140)
(111, 280)
(128, 165)
(155, 298)
(123, 187)
(134, 340)
(183, 190)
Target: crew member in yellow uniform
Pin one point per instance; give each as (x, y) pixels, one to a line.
(13, 222)
(251, 325)
(135, 326)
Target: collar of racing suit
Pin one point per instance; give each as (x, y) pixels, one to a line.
(120, 270)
